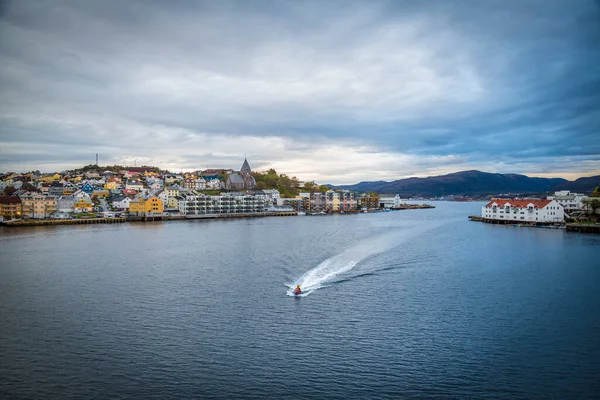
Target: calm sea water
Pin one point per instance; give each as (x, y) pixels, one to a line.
(410, 304)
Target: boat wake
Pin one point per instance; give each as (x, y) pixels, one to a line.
(341, 266)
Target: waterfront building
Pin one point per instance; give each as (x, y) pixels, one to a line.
(242, 180)
(318, 202)
(348, 201)
(146, 205)
(38, 205)
(83, 204)
(10, 207)
(369, 201)
(231, 203)
(332, 201)
(173, 202)
(523, 210)
(272, 193)
(66, 204)
(389, 200)
(297, 204)
(570, 201)
(121, 202)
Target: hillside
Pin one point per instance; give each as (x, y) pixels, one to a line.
(474, 183)
(581, 185)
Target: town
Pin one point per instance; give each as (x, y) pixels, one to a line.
(146, 193)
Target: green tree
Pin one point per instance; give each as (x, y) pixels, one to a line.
(260, 185)
(596, 192)
(591, 205)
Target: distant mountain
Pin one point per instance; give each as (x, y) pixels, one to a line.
(473, 183)
(581, 185)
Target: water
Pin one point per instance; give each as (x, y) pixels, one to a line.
(410, 304)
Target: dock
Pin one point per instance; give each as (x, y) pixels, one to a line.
(412, 207)
(52, 222)
(584, 228)
(535, 224)
(144, 218)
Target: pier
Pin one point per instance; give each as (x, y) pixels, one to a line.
(584, 228)
(477, 218)
(411, 207)
(52, 222)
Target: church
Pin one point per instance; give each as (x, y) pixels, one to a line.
(242, 180)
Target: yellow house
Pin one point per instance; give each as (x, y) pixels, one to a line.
(110, 186)
(50, 178)
(100, 193)
(172, 191)
(335, 203)
(152, 205)
(173, 202)
(83, 204)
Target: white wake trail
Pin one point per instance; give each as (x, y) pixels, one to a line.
(330, 269)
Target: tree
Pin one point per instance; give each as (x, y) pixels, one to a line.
(591, 205)
(596, 192)
(323, 188)
(260, 185)
(308, 186)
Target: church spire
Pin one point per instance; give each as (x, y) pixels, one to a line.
(245, 167)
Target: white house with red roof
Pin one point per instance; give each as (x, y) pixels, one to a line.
(523, 210)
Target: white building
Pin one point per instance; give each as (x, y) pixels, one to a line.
(272, 193)
(228, 204)
(214, 184)
(570, 201)
(134, 185)
(66, 204)
(122, 203)
(390, 200)
(523, 210)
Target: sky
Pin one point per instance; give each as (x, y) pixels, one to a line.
(332, 91)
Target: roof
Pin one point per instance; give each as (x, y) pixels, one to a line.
(537, 203)
(139, 169)
(245, 166)
(9, 199)
(235, 178)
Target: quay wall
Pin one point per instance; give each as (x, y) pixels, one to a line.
(52, 222)
(583, 228)
(85, 221)
(510, 222)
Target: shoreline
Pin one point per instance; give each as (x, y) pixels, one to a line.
(156, 218)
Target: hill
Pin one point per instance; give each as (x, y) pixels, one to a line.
(581, 185)
(474, 183)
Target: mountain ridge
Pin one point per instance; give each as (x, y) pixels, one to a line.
(473, 183)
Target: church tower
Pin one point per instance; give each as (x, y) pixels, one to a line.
(246, 173)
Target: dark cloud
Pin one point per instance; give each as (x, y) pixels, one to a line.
(488, 83)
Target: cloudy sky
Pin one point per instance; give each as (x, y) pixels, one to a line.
(335, 91)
